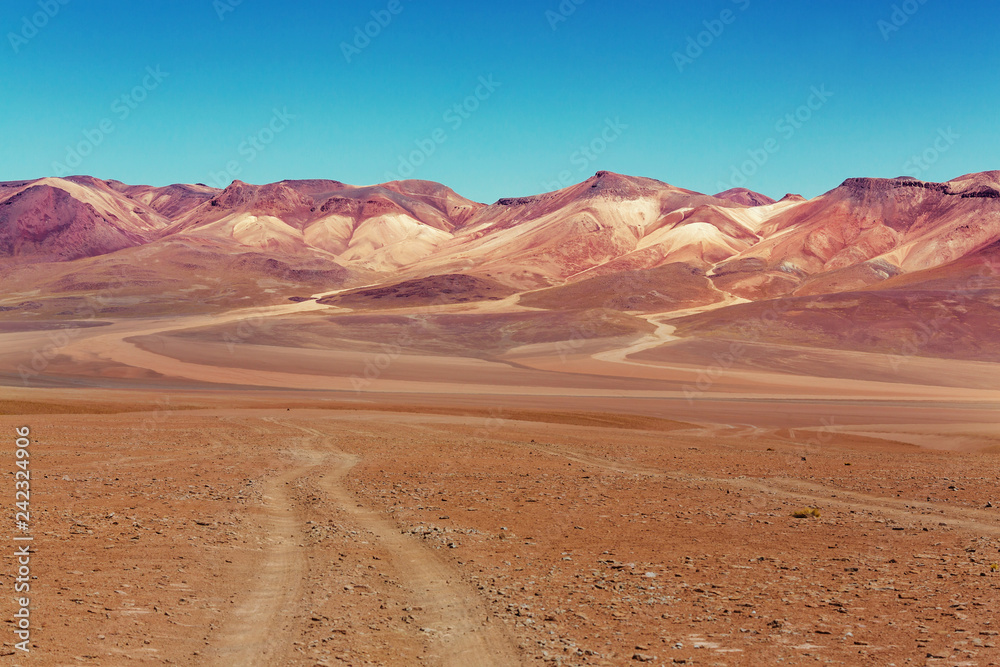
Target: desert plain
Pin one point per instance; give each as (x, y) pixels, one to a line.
(200, 502)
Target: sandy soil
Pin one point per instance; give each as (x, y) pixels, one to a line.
(310, 537)
(231, 497)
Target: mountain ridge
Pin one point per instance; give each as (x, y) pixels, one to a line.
(861, 232)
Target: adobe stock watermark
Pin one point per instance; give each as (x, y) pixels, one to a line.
(900, 16)
(42, 356)
(821, 436)
(122, 108)
(160, 414)
(455, 117)
(749, 331)
(93, 304)
(492, 424)
(251, 147)
(954, 302)
(22, 551)
(223, 7)
(562, 13)
(584, 157)
(786, 127)
(363, 35)
(697, 45)
(245, 329)
(91, 308)
(33, 24)
(918, 165)
(581, 333)
(377, 364)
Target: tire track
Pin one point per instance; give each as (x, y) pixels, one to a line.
(965, 518)
(463, 630)
(259, 629)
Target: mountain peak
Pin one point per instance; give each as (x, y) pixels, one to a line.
(610, 185)
(745, 197)
(268, 199)
(793, 197)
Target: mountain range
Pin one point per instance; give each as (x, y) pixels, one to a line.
(153, 249)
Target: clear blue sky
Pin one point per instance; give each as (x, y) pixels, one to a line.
(893, 93)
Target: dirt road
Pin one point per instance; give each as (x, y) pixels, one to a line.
(260, 630)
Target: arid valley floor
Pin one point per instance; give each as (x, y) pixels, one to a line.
(196, 505)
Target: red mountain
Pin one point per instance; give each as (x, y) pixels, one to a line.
(857, 235)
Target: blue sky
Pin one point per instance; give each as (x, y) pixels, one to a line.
(776, 96)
